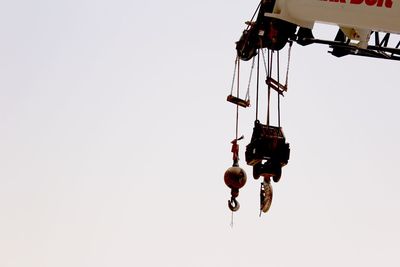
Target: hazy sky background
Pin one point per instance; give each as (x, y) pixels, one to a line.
(115, 135)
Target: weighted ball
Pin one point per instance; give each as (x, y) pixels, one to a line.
(235, 177)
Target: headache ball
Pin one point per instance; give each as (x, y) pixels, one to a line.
(235, 177)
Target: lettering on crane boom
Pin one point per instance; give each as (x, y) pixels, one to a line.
(378, 3)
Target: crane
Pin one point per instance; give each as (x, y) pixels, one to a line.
(365, 28)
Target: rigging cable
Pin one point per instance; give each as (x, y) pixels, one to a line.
(279, 93)
(237, 95)
(288, 62)
(258, 81)
(270, 58)
(247, 97)
(266, 71)
(234, 74)
(255, 12)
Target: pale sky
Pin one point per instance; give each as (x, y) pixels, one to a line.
(115, 135)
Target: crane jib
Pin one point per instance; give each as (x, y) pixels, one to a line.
(377, 3)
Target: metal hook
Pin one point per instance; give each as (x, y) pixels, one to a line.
(233, 204)
(265, 196)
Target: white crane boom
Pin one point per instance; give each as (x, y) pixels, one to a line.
(282, 21)
(375, 15)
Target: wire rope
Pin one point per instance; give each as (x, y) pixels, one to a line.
(279, 93)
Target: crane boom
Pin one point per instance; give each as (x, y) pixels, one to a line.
(281, 21)
(375, 15)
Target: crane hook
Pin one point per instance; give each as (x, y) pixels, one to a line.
(266, 195)
(233, 204)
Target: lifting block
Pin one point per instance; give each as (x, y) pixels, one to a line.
(280, 88)
(267, 143)
(237, 101)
